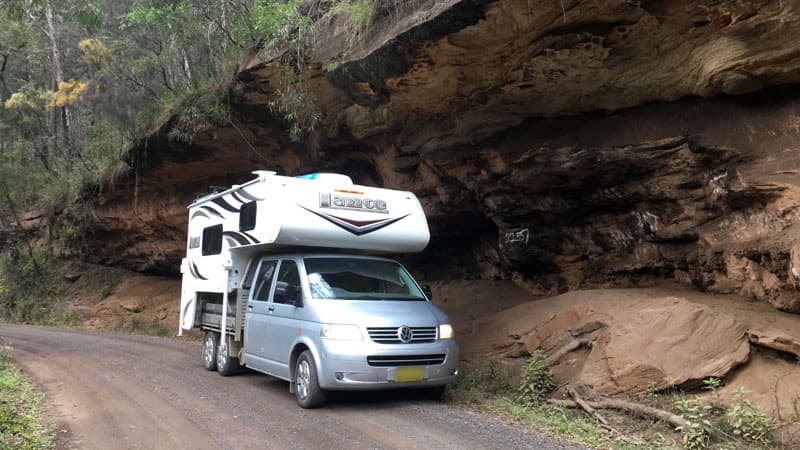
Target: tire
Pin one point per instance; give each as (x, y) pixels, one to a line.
(210, 344)
(307, 391)
(226, 365)
(435, 392)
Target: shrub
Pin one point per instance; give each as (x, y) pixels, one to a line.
(697, 434)
(476, 383)
(748, 421)
(537, 381)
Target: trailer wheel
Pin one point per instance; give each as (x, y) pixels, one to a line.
(210, 344)
(307, 390)
(226, 365)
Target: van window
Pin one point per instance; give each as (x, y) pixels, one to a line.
(287, 290)
(247, 216)
(212, 240)
(360, 279)
(264, 281)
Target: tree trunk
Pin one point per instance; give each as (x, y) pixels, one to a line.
(58, 78)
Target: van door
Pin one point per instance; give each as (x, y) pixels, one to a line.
(255, 323)
(283, 321)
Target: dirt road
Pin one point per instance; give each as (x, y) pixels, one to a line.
(118, 391)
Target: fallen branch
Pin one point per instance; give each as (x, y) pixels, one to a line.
(586, 407)
(604, 423)
(622, 405)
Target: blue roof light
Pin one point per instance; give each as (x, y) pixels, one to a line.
(310, 176)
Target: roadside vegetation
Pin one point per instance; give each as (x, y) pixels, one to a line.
(655, 419)
(21, 412)
(81, 81)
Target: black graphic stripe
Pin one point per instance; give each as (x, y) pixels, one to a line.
(358, 231)
(248, 195)
(196, 272)
(225, 205)
(237, 198)
(236, 237)
(199, 214)
(255, 241)
(213, 211)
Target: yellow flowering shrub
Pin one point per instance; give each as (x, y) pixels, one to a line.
(94, 52)
(20, 101)
(68, 93)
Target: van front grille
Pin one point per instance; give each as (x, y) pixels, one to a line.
(389, 335)
(405, 360)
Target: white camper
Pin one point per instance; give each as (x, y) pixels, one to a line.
(267, 245)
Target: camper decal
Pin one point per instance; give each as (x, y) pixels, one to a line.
(236, 236)
(255, 241)
(237, 198)
(356, 227)
(213, 211)
(225, 205)
(352, 203)
(248, 196)
(195, 272)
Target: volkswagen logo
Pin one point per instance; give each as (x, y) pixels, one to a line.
(405, 334)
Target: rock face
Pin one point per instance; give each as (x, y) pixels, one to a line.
(633, 340)
(562, 144)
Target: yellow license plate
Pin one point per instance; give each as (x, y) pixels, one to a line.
(406, 374)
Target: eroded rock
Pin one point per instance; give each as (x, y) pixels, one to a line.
(636, 341)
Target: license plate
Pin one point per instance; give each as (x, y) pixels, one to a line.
(407, 374)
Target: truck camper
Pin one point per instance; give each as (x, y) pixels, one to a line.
(282, 275)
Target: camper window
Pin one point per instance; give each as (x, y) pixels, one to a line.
(212, 240)
(247, 216)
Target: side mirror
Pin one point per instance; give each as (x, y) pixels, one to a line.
(426, 289)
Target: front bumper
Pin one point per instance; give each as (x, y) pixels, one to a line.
(344, 366)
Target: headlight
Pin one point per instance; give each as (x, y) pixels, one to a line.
(340, 332)
(445, 331)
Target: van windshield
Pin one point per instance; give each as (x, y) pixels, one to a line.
(360, 279)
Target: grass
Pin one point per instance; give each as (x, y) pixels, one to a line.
(21, 411)
(135, 325)
(492, 388)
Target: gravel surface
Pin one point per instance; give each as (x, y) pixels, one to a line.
(119, 391)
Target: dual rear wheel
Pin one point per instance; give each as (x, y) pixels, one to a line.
(215, 354)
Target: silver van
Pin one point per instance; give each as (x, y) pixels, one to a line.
(340, 322)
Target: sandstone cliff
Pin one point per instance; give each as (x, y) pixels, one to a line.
(564, 144)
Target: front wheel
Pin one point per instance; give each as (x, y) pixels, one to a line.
(210, 344)
(307, 390)
(226, 364)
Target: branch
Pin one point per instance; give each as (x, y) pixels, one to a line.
(622, 405)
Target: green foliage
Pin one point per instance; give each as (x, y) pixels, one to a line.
(30, 296)
(21, 410)
(360, 13)
(748, 421)
(286, 32)
(475, 384)
(712, 383)
(537, 380)
(699, 415)
(196, 118)
(298, 108)
(137, 325)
